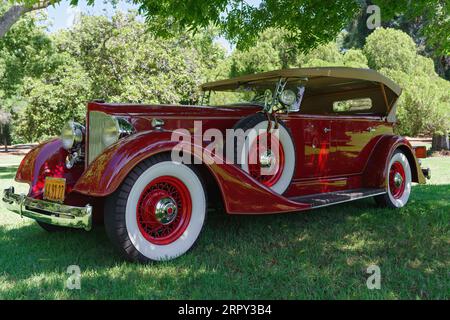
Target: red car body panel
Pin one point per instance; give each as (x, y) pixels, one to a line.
(107, 172)
(352, 155)
(375, 174)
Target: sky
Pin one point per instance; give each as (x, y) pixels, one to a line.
(63, 15)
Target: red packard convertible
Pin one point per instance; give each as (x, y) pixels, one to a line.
(284, 141)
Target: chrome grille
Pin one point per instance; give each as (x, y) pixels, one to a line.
(97, 122)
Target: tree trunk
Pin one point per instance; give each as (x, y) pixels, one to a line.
(440, 142)
(15, 12)
(10, 17)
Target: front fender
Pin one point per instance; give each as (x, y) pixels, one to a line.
(46, 160)
(376, 171)
(104, 175)
(240, 192)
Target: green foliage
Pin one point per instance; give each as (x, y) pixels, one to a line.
(355, 58)
(24, 51)
(119, 61)
(391, 49)
(324, 55)
(425, 21)
(127, 64)
(271, 51)
(433, 16)
(424, 106)
(307, 23)
(53, 100)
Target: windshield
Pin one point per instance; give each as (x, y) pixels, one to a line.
(261, 93)
(276, 94)
(251, 96)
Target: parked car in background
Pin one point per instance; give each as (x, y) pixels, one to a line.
(318, 137)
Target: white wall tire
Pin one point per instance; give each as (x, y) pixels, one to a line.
(259, 123)
(398, 182)
(131, 234)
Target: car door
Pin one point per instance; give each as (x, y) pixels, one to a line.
(352, 140)
(312, 142)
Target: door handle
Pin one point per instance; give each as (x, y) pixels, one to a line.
(326, 130)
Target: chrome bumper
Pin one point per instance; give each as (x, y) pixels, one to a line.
(48, 212)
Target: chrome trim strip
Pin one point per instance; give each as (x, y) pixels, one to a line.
(58, 214)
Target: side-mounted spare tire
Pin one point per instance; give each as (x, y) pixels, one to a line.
(267, 157)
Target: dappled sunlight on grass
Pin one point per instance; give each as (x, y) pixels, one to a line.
(318, 254)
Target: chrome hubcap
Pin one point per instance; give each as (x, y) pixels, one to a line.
(166, 210)
(266, 159)
(398, 180)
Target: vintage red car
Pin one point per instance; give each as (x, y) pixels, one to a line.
(317, 137)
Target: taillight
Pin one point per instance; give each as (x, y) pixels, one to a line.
(420, 151)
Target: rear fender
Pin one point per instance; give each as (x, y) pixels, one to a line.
(375, 174)
(241, 193)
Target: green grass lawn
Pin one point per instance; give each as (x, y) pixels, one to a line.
(321, 254)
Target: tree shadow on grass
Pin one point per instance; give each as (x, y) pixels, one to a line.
(8, 172)
(321, 254)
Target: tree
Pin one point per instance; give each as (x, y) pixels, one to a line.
(425, 21)
(12, 14)
(390, 49)
(424, 107)
(5, 119)
(432, 17)
(25, 52)
(117, 60)
(307, 23)
(54, 99)
(271, 51)
(128, 64)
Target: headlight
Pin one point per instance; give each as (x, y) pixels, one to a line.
(111, 131)
(114, 129)
(288, 97)
(72, 135)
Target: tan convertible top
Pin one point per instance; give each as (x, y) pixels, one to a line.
(318, 79)
(324, 86)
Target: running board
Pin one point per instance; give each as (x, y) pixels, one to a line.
(328, 199)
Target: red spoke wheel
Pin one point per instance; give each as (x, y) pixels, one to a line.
(164, 210)
(158, 212)
(398, 182)
(397, 179)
